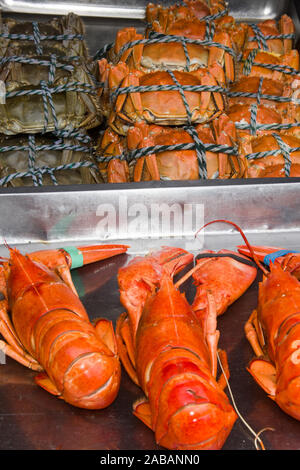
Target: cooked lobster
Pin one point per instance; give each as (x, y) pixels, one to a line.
(170, 350)
(46, 327)
(273, 328)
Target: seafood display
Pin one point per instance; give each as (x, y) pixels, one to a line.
(217, 85)
(159, 339)
(47, 328)
(196, 65)
(168, 346)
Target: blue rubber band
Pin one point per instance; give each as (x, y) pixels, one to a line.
(76, 256)
(272, 256)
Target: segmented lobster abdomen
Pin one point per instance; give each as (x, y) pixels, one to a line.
(53, 326)
(189, 410)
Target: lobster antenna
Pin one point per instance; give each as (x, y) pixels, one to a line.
(259, 264)
(187, 275)
(256, 434)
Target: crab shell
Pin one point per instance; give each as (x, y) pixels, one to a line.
(270, 166)
(190, 9)
(163, 107)
(270, 27)
(289, 110)
(183, 164)
(289, 59)
(169, 164)
(174, 55)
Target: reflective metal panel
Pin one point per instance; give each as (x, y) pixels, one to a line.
(135, 8)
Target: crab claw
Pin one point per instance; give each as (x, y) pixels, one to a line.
(64, 259)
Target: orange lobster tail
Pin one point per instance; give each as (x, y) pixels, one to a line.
(171, 354)
(189, 409)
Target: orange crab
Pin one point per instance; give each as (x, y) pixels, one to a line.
(277, 103)
(189, 9)
(158, 52)
(272, 155)
(162, 97)
(186, 162)
(269, 65)
(257, 36)
(195, 11)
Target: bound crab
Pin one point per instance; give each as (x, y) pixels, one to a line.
(261, 35)
(185, 153)
(162, 97)
(214, 14)
(210, 10)
(273, 155)
(48, 159)
(193, 46)
(280, 68)
(262, 101)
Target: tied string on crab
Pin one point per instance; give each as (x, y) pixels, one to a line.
(259, 445)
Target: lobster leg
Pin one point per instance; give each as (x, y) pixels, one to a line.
(261, 369)
(254, 334)
(212, 334)
(23, 358)
(125, 346)
(222, 381)
(12, 346)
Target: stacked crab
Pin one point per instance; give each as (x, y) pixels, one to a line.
(199, 95)
(47, 102)
(164, 96)
(263, 102)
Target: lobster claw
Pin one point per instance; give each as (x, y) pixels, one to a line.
(267, 254)
(288, 259)
(62, 260)
(78, 256)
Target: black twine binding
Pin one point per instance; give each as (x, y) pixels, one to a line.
(236, 257)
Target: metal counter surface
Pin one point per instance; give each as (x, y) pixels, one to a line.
(31, 418)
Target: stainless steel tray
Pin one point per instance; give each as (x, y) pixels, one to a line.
(34, 218)
(268, 211)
